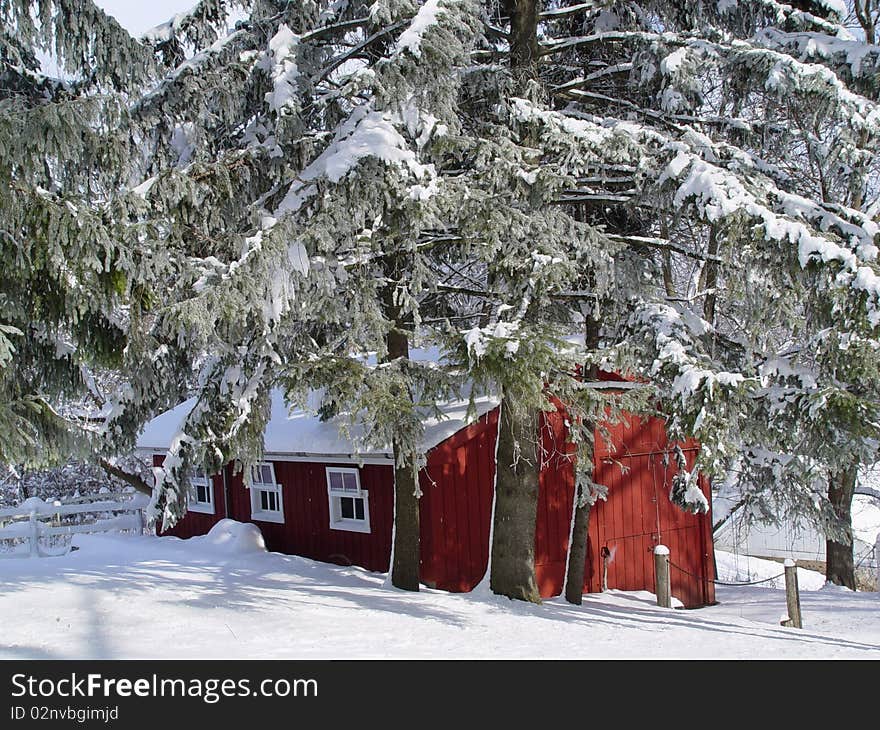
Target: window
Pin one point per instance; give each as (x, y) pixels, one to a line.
(267, 504)
(349, 504)
(201, 493)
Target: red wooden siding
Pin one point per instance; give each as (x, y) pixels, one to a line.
(455, 510)
(639, 515)
(555, 497)
(198, 523)
(306, 530)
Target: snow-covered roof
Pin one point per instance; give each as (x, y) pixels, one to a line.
(299, 432)
(303, 433)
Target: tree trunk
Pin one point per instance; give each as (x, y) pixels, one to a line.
(710, 278)
(577, 552)
(406, 549)
(517, 468)
(839, 567)
(580, 529)
(405, 568)
(524, 48)
(512, 573)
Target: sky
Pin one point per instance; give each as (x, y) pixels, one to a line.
(139, 16)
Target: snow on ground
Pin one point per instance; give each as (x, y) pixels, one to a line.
(223, 596)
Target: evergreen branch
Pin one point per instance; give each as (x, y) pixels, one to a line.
(598, 198)
(556, 13)
(664, 244)
(859, 106)
(326, 30)
(194, 65)
(132, 479)
(584, 80)
(339, 60)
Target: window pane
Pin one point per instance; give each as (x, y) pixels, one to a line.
(351, 483)
(347, 504)
(359, 508)
(202, 494)
(264, 500)
(335, 480)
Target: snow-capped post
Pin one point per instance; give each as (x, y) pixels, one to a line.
(34, 535)
(877, 559)
(661, 576)
(792, 597)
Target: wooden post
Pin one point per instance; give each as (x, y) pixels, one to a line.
(661, 576)
(877, 559)
(34, 535)
(792, 596)
(606, 553)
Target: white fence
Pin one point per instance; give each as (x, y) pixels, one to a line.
(34, 521)
(803, 541)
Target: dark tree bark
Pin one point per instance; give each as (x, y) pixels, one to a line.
(512, 571)
(133, 479)
(405, 570)
(710, 277)
(406, 548)
(512, 567)
(839, 568)
(524, 48)
(577, 553)
(867, 14)
(580, 529)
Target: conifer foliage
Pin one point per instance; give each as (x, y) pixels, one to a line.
(221, 208)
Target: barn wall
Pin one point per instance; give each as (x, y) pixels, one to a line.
(555, 498)
(197, 523)
(306, 530)
(639, 515)
(455, 510)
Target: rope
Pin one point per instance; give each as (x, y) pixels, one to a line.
(722, 583)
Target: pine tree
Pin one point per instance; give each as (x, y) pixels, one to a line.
(333, 122)
(219, 211)
(69, 263)
(762, 119)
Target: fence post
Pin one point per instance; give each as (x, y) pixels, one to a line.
(792, 596)
(140, 514)
(661, 576)
(877, 560)
(34, 537)
(606, 553)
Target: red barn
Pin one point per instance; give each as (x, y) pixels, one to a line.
(312, 497)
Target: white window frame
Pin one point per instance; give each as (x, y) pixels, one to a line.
(257, 511)
(337, 521)
(198, 478)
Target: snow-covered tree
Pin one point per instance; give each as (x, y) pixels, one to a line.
(691, 185)
(758, 121)
(68, 262)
